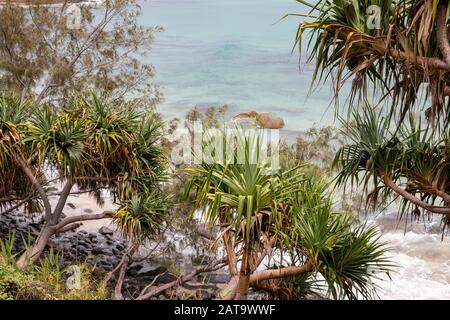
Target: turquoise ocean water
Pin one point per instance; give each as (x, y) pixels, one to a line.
(234, 52)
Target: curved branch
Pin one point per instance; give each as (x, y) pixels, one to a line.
(34, 181)
(123, 269)
(281, 273)
(443, 195)
(14, 207)
(69, 227)
(446, 91)
(84, 217)
(411, 198)
(420, 61)
(229, 291)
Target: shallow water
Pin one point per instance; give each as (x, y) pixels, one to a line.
(424, 271)
(422, 256)
(233, 52)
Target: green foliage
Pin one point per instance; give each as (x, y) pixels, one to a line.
(316, 146)
(43, 57)
(242, 193)
(410, 152)
(392, 60)
(95, 144)
(143, 216)
(349, 258)
(46, 280)
(397, 148)
(12, 281)
(294, 206)
(13, 114)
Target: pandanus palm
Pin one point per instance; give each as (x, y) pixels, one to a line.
(243, 197)
(349, 256)
(17, 187)
(90, 144)
(404, 60)
(394, 45)
(411, 160)
(288, 211)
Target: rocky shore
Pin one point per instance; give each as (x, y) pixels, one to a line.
(104, 249)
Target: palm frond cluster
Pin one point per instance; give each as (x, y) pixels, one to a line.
(288, 212)
(412, 156)
(14, 185)
(400, 147)
(390, 48)
(93, 143)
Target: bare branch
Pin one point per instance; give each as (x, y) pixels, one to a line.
(62, 201)
(17, 205)
(281, 273)
(84, 217)
(209, 268)
(408, 196)
(69, 227)
(123, 269)
(29, 173)
(152, 283)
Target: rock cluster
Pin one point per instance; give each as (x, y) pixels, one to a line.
(105, 249)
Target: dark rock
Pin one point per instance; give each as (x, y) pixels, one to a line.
(150, 269)
(98, 250)
(166, 278)
(133, 268)
(80, 248)
(120, 246)
(88, 210)
(132, 282)
(106, 265)
(71, 205)
(105, 231)
(105, 262)
(92, 235)
(219, 277)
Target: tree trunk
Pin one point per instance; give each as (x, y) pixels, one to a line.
(230, 289)
(281, 273)
(33, 252)
(229, 248)
(123, 269)
(244, 277)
